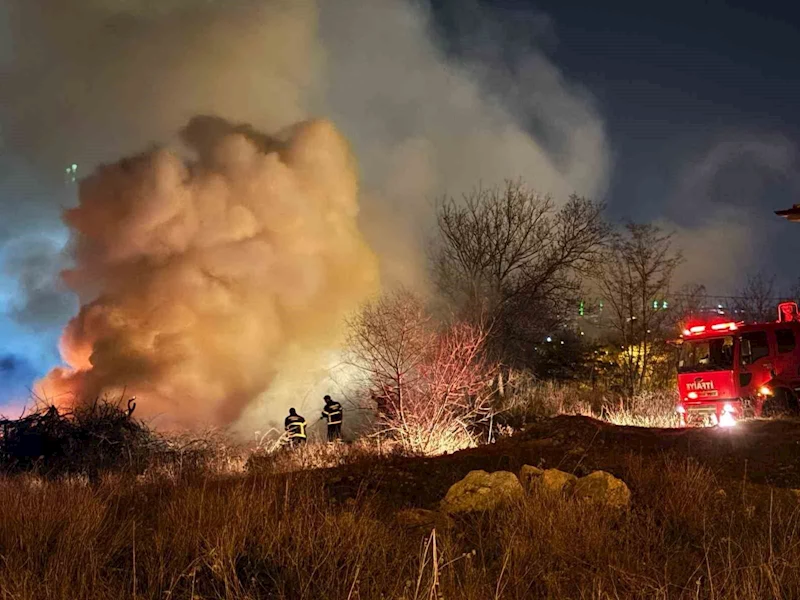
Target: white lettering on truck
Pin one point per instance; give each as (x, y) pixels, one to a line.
(696, 386)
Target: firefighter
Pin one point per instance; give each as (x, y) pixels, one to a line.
(295, 426)
(333, 413)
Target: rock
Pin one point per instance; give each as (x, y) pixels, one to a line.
(528, 475)
(557, 482)
(577, 451)
(419, 518)
(480, 491)
(603, 488)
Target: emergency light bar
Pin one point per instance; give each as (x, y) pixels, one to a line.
(725, 327)
(696, 329)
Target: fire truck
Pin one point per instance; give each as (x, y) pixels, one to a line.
(731, 370)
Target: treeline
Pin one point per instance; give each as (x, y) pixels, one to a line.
(513, 271)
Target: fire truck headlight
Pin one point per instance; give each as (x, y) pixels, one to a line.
(727, 420)
(728, 408)
(765, 390)
(692, 395)
(680, 409)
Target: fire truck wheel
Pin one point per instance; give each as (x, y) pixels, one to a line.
(782, 403)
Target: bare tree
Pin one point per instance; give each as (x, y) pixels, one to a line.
(509, 257)
(756, 301)
(793, 294)
(689, 304)
(431, 384)
(634, 282)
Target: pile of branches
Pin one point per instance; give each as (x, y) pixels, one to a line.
(93, 437)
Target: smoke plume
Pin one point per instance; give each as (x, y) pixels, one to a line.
(721, 210)
(89, 81)
(206, 271)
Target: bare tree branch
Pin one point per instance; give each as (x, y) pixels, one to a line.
(634, 281)
(755, 302)
(509, 256)
(431, 384)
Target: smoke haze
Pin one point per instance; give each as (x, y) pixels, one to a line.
(93, 80)
(720, 209)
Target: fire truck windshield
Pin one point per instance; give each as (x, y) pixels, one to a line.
(715, 354)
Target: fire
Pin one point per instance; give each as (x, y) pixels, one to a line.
(200, 275)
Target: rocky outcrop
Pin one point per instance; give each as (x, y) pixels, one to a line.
(481, 491)
(603, 488)
(554, 481)
(529, 476)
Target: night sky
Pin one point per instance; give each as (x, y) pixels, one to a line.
(697, 103)
(672, 78)
(679, 85)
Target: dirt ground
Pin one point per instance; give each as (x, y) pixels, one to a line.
(761, 452)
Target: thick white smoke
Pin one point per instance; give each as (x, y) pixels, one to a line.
(207, 273)
(92, 80)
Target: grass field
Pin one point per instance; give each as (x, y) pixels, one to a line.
(288, 536)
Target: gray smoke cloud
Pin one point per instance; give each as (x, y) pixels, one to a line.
(90, 81)
(722, 209)
(203, 273)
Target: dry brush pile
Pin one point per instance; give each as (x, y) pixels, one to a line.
(102, 437)
(93, 437)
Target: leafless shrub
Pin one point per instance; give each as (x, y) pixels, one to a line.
(192, 454)
(430, 383)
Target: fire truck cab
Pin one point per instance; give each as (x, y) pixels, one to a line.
(731, 370)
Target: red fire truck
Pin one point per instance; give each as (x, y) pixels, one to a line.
(731, 370)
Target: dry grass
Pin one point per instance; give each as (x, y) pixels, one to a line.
(323, 456)
(531, 400)
(286, 537)
(647, 409)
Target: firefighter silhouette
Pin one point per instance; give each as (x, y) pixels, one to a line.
(333, 413)
(295, 426)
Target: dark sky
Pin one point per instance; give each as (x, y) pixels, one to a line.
(680, 85)
(677, 72)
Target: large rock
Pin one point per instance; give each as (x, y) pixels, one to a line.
(528, 476)
(480, 491)
(603, 488)
(557, 482)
